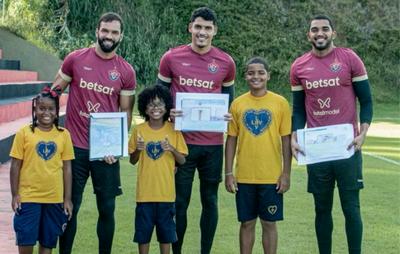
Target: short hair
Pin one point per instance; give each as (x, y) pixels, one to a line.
(205, 13)
(151, 93)
(257, 60)
(109, 17)
(323, 17)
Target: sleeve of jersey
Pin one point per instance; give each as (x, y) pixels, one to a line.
(68, 152)
(233, 124)
(164, 71)
(286, 120)
(180, 144)
(129, 85)
(66, 71)
(294, 81)
(17, 149)
(358, 71)
(132, 141)
(230, 77)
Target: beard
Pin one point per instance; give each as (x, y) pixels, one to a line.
(105, 47)
(320, 47)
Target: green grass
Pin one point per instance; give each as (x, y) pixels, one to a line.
(380, 211)
(379, 200)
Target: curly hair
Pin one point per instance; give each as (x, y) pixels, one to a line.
(151, 93)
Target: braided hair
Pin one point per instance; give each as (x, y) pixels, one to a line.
(51, 93)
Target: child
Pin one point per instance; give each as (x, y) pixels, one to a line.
(156, 145)
(40, 176)
(260, 128)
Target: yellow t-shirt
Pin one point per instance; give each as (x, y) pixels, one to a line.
(259, 123)
(156, 170)
(42, 152)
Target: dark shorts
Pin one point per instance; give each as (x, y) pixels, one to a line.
(155, 214)
(259, 200)
(39, 222)
(347, 173)
(105, 177)
(207, 160)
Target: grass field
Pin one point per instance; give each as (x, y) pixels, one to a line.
(379, 201)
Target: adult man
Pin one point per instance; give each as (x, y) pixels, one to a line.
(99, 81)
(325, 83)
(200, 68)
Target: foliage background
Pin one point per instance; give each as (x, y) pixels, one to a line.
(274, 29)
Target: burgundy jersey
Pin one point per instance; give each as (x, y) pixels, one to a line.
(328, 85)
(95, 86)
(190, 72)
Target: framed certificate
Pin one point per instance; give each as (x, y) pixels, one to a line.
(202, 112)
(325, 143)
(108, 135)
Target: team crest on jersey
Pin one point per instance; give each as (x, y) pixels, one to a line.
(213, 67)
(154, 150)
(46, 150)
(336, 66)
(113, 75)
(257, 121)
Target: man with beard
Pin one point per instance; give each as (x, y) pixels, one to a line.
(199, 68)
(325, 84)
(99, 80)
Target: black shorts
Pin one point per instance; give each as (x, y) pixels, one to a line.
(155, 214)
(208, 161)
(105, 177)
(347, 173)
(259, 200)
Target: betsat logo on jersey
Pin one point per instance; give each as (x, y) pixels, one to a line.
(322, 83)
(96, 87)
(196, 82)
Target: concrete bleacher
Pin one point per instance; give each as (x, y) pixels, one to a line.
(17, 88)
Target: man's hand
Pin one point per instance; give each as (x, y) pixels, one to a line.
(357, 142)
(110, 159)
(230, 184)
(283, 184)
(295, 146)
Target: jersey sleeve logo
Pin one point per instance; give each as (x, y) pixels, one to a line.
(154, 150)
(46, 150)
(257, 121)
(213, 67)
(113, 75)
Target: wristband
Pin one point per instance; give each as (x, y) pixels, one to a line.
(229, 173)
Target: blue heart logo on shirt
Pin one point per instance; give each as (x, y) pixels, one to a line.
(256, 121)
(46, 150)
(154, 150)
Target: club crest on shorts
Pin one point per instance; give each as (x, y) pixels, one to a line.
(113, 75)
(335, 66)
(257, 121)
(272, 209)
(213, 67)
(154, 150)
(46, 150)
